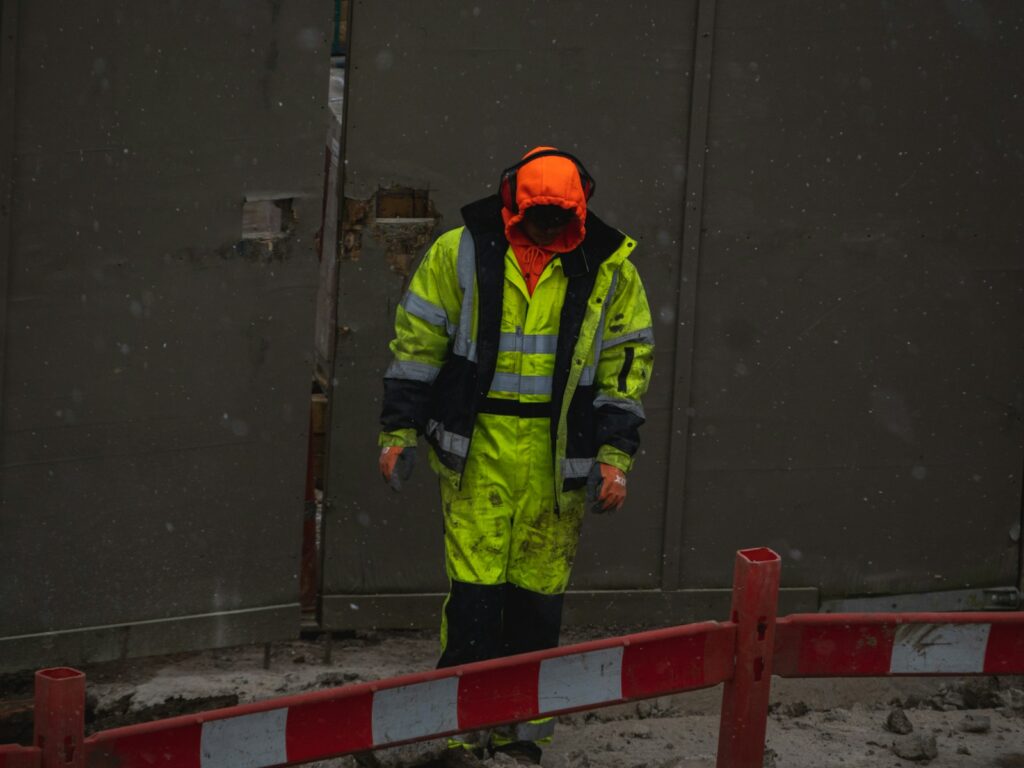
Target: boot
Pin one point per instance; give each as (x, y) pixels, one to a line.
(523, 752)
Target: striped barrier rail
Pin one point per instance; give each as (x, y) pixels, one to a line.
(878, 645)
(441, 702)
(742, 653)
(16, 756)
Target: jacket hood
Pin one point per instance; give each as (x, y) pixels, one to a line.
(548, 180)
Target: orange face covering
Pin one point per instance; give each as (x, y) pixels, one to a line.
(548, 180)
(532, 261)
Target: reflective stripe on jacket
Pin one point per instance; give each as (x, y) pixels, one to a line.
(465, 343)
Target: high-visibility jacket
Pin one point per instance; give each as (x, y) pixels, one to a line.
(470, 339)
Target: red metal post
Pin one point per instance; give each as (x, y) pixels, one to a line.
(60, 717)
(755, 598)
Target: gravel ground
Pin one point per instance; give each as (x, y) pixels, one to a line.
(968, 722)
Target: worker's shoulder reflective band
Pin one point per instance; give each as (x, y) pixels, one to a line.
(587, 377)
(573, 468)
(449, 441)
(528, 343)
(464, 345)
(643, 336)
(425, 310)
(622, 403)
(523, 385)
(412, 371)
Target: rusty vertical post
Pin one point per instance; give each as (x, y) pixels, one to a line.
(60, 717)
(755, 597)
(308, 576)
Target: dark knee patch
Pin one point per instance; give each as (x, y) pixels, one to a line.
(532, 621)
(473, 615)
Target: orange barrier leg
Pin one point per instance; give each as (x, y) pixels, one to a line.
(755, 597)
(60, 717)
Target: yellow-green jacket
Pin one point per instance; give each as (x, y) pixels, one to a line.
(466, 344)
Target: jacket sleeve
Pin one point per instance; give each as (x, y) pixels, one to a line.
(625, 363)
(424, 328)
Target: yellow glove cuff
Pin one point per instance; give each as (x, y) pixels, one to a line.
(403, 437)
(613, 457)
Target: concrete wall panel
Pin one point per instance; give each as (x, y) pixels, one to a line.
(856, 371)
(156, 396)
(860, 314)
(444, 96)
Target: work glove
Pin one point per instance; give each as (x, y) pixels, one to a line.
(606, 488)
(396, 464)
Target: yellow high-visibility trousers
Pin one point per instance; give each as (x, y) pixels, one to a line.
(509, 551)
(503, 524)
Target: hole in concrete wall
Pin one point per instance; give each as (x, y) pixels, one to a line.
(267, 218)
(402, 219)
(404, 224)
(353, 220)
(404, 203)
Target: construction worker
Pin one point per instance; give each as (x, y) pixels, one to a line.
(522, 350)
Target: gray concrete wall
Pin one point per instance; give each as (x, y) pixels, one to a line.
(831, 245)
(157, 367)
(859, 365)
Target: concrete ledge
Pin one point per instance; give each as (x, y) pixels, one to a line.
(89, 645)
(641, 608)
